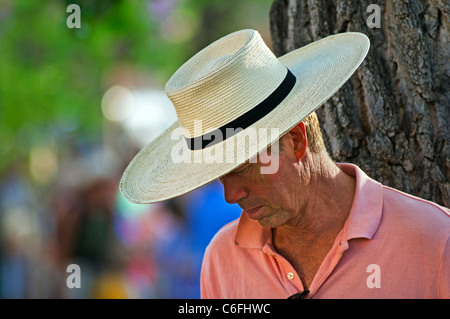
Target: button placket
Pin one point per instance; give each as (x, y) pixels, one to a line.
(286, 268)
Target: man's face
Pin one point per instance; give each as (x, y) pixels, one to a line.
(272, 199)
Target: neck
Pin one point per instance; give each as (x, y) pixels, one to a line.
(326, 207)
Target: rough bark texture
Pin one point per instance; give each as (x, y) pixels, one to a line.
(392, 117)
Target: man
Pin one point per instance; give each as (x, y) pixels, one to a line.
(310, 228)
(327, 231)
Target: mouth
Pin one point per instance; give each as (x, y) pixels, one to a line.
(253, 212)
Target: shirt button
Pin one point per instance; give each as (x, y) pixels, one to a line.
(290, 275)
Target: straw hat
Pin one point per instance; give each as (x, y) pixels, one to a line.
(233, 99)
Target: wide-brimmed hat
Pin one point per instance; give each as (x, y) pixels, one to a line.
(233, 99)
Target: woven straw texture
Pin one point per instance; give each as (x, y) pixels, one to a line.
(222, 82)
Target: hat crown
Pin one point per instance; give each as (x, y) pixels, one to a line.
(214, 65)
(223, 81)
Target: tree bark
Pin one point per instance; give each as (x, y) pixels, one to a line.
(392, 117)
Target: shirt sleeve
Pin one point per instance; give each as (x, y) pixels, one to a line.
(444, 273)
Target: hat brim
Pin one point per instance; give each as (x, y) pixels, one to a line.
(321, 68)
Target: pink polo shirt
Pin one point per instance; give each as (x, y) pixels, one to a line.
(393, 245)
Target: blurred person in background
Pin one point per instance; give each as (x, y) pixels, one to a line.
(84, 235)
(19, 233)
(201, 214)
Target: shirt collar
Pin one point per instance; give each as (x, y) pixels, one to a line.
(366, 211)
(363, 221)
(250, 233)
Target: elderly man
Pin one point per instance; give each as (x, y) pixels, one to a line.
(310, 228)
(320, 230)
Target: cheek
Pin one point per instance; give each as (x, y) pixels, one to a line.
(276, 189)
(273, 189)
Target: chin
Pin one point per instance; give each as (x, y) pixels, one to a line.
(269, 222)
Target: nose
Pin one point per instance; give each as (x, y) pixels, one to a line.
(233, 189)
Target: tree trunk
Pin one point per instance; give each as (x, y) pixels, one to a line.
(392, 117)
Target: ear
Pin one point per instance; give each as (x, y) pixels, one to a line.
(300, 140)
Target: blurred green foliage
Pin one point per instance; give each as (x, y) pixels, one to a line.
(52, 78)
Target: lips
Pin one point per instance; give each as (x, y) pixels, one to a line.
(252, 212)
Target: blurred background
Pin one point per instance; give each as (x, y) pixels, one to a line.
(75, 107)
